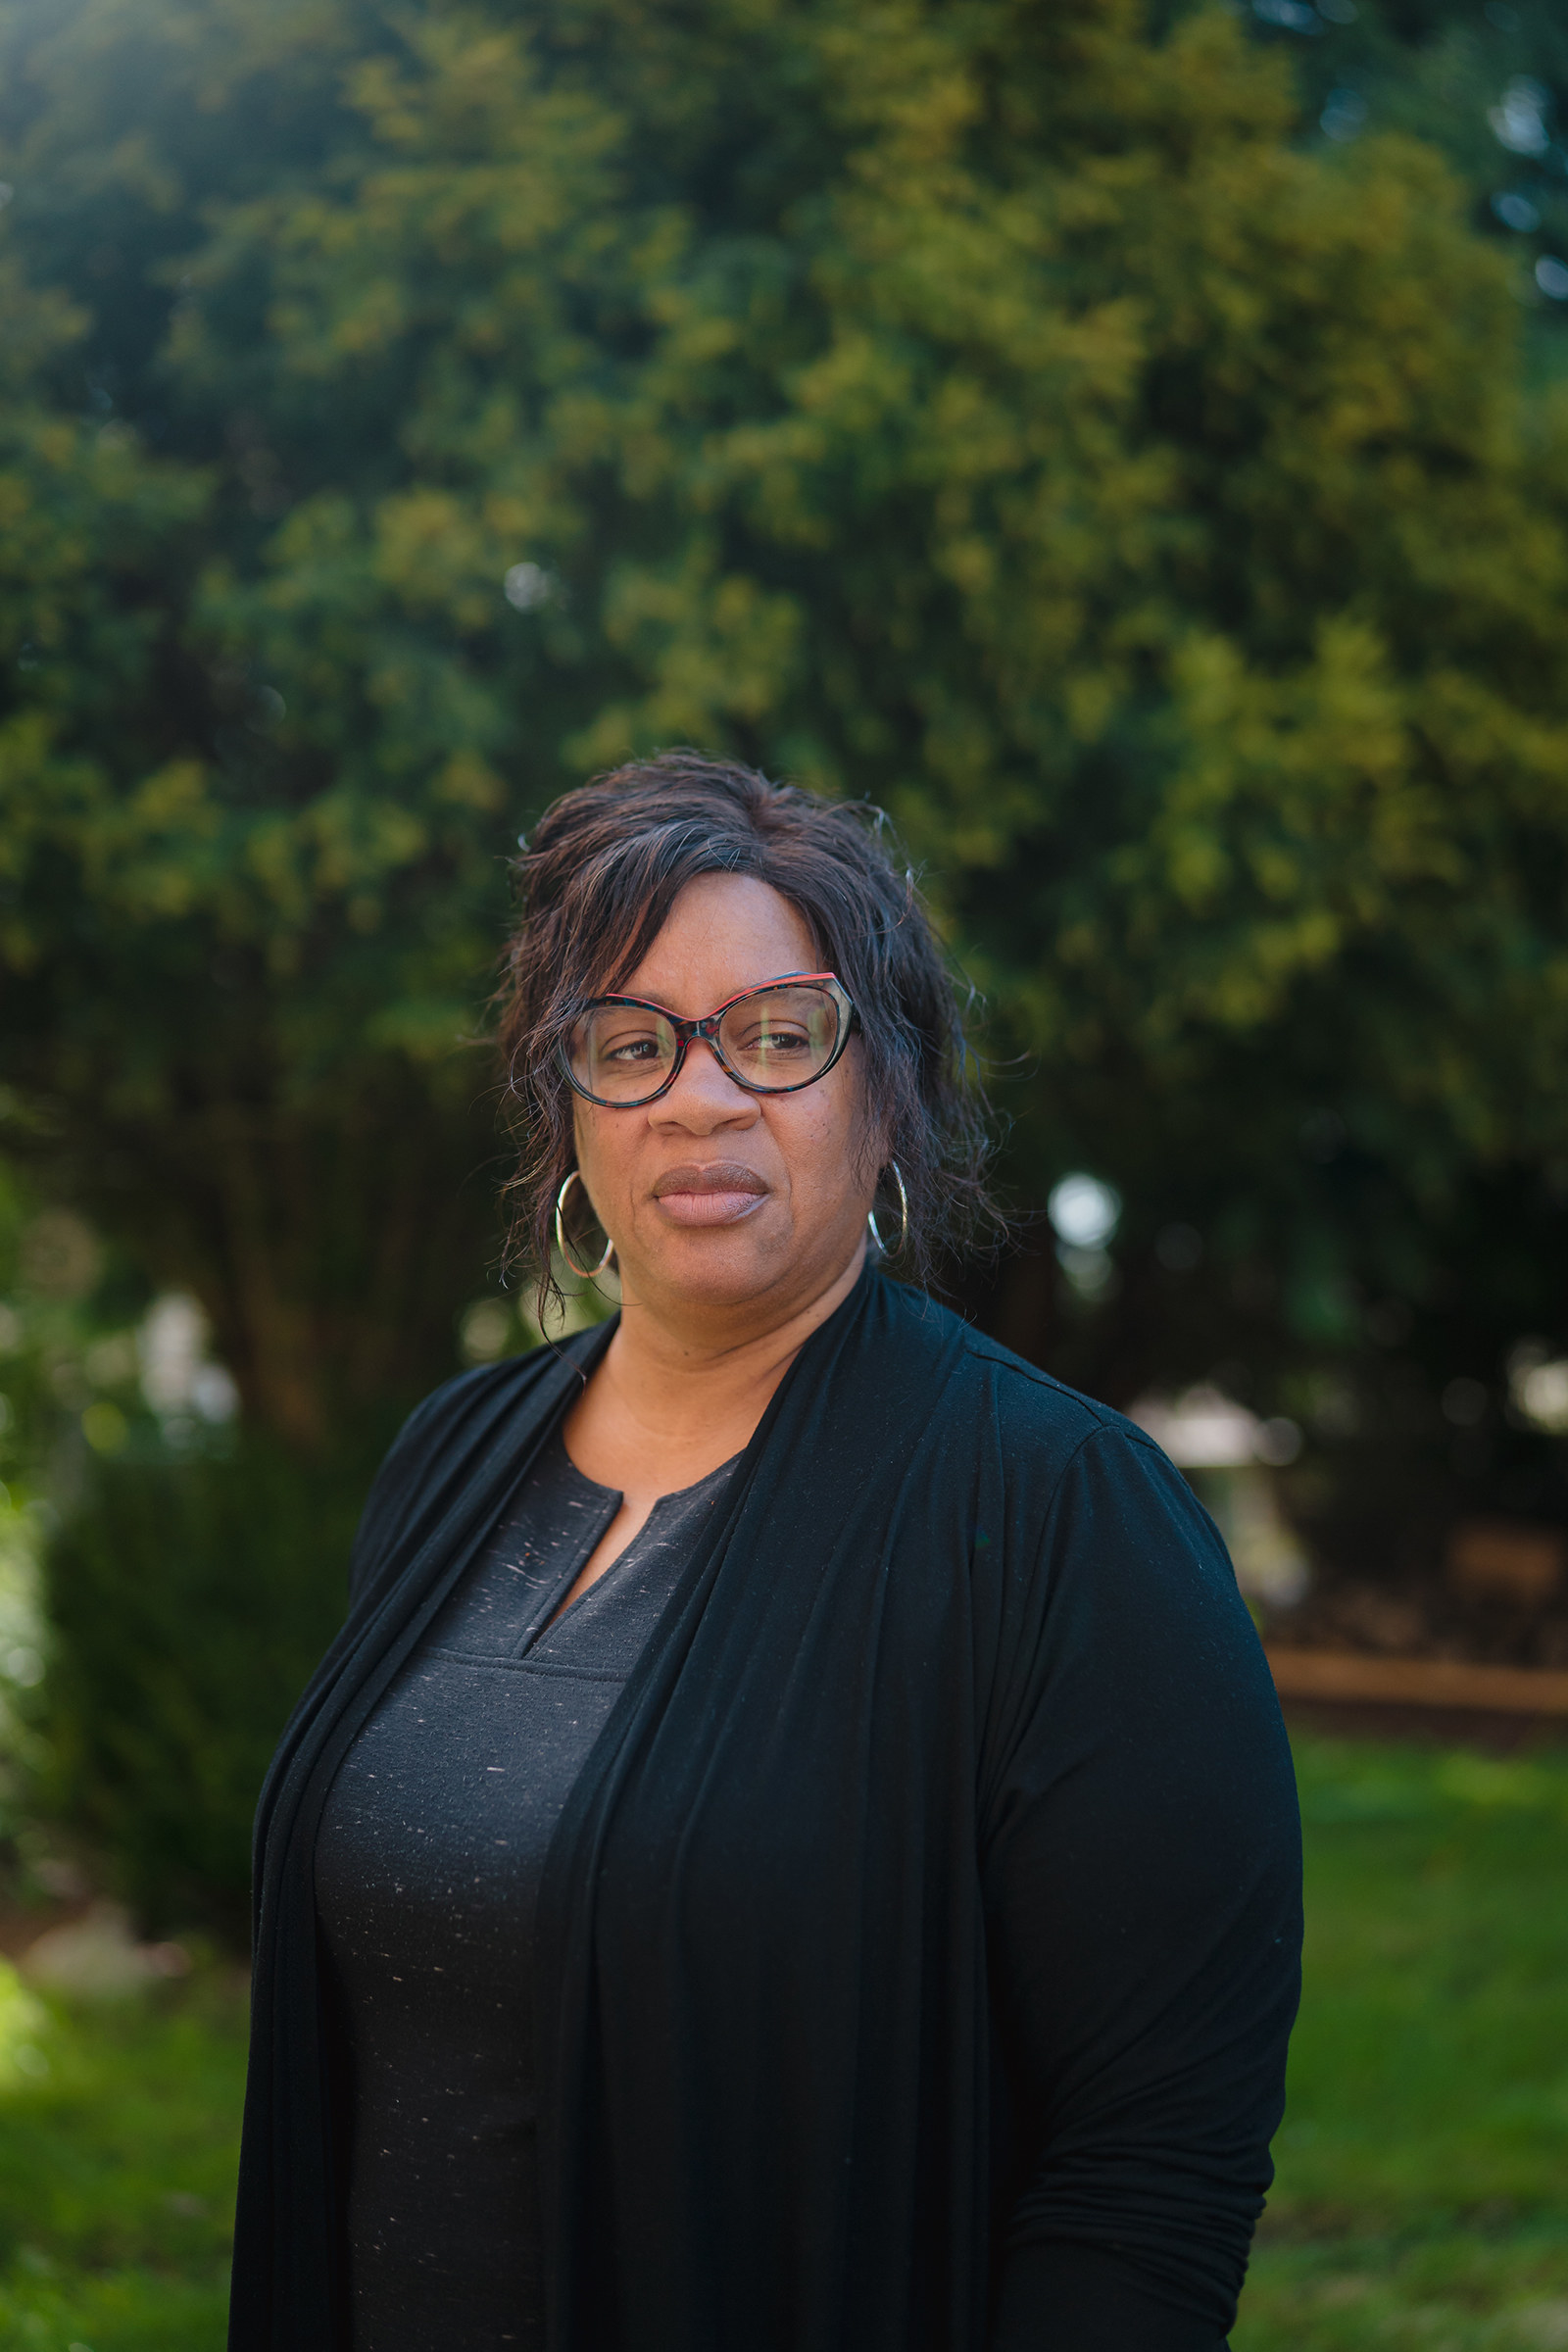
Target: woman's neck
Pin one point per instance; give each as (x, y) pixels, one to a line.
(675, 1396)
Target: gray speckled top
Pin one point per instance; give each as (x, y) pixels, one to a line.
(427, 1866)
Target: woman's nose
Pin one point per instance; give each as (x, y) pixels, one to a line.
(704, 1094)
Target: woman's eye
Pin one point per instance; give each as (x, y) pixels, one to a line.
(624, 1047)
(770, 1039)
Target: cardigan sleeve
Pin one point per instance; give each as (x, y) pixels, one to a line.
(1142, 1867)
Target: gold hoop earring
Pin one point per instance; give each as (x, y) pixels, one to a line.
(583, 1273)
(903, 1217)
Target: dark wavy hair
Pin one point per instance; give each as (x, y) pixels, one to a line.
(595, 884)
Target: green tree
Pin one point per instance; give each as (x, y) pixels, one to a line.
(1487, 86)
(1004, 413)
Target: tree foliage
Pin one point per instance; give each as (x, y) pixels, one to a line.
(1018, 414)
(1487, 86)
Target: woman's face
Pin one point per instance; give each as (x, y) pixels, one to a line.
(713, 1196)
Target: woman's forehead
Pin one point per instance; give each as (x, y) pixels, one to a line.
(725, 932)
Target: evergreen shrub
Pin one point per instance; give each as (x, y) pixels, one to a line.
(189, 1601)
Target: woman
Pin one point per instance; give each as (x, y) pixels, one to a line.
(793, 1850)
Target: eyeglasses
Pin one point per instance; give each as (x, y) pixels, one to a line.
(622, 1051)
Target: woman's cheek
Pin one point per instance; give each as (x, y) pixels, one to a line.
(599, 1161)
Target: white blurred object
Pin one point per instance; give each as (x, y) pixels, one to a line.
(170, 1344)
(97, 1958)
(1083, 1214)
(1270, 1564)
(23, 1640)
(1233, 1452)
(1519, 122)
(1203, 1429)
(177, 1376)
(1538, 1385)
(526, 586)
(1083, 1211)
(213, 1393)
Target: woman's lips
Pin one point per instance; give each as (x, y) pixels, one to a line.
(714, 1194)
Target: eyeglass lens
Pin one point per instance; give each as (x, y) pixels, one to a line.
(770, 1040)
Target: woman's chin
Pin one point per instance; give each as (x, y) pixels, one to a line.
(712, 1264)
(734, 1263)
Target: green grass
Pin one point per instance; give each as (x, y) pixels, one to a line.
(1422, 2199)
(118, 2134)
(1422, 2191)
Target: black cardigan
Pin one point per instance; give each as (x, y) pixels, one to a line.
(923, 1933)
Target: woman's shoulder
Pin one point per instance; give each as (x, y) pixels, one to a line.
(1036, 1403)
(458, 1442)
(472, 1402)
(1036, 1417)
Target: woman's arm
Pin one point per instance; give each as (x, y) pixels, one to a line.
(1141, 1879)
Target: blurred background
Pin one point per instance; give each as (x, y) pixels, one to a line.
(1129, 444)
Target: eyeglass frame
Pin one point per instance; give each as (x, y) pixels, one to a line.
(705, 1031)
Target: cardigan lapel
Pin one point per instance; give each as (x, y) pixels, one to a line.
(780, 1772)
